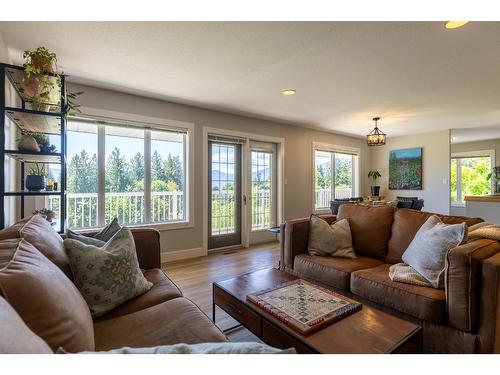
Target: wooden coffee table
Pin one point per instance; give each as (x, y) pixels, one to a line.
(366, 331)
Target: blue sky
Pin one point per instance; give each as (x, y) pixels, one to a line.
(408, 153)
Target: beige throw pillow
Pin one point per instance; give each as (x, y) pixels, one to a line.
(107, 276)
(427, 251)
(330, 239)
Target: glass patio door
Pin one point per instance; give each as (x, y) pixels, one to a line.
(224, 181)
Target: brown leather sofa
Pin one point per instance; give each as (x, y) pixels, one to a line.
(464, 317)
(161, 316)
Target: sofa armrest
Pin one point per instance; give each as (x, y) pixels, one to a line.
(463, 280)
(295, 238)
(489, 317)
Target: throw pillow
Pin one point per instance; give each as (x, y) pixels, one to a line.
(107, 276)
(108, 231)
(427, 251)
(330, 239)
(38, 232)
(85, 239)
(46, 300)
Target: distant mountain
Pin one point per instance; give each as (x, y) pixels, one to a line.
(221, 176)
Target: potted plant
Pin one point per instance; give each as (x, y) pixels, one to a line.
(35, 142)
(374, 176)
(494, 176)
(35, 180)
(27, 143)
(41, 77)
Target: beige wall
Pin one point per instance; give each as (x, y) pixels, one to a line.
(436, 169)
(297, 161)
(491, 144)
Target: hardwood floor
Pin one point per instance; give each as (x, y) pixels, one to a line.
(195, 277)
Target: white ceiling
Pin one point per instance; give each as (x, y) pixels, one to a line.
(417, 76)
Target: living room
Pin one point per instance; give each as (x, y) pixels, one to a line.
(171, 181)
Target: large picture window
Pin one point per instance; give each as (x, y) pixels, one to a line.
(334, 176)
(469, 176)
(132, 173)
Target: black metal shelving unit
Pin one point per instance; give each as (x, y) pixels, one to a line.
(51, 122)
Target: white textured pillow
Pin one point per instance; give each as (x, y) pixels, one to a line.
(330, 239)
(427, 251)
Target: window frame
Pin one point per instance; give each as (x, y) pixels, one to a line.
(149, 124)
(468, 155)
(326, 147)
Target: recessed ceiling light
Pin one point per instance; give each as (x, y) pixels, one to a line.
(455, 24)
(288, 92)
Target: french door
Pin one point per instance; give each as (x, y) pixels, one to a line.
(224, 194)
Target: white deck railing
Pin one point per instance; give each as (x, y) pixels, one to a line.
(324, 196)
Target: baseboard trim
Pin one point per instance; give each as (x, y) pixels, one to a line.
(171, 256)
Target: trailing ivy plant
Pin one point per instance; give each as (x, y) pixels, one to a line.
(41, 65)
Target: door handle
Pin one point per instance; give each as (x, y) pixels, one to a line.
(244, 199)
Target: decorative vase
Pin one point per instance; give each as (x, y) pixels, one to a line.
(28, 143)
(375, 190)
(35, 183)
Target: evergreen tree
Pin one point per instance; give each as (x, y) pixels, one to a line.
(82, 173)
(136, 173)
(157, 171)
(117, 177)
(174, 171)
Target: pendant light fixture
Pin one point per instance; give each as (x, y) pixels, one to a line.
(376, 137)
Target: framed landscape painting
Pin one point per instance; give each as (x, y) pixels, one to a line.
(405, 169)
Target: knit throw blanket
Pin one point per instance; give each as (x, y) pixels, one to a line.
(403, 273)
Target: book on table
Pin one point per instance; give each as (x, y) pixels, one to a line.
(304, 306)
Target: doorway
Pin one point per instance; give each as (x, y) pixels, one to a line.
(224, 194)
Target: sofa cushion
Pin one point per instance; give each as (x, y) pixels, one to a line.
(330, 271)
(107, 276)
(171, 322)
(15, 336)
(163, 290)
(406, 225)
(370, 228)
(44, 297)
(38, 231)
(421, 302)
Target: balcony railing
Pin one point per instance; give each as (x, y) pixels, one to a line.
(324, 196)
(128, 207)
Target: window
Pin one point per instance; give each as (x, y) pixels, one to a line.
(132, 173)
(334, 176)
(469, 176)
(262, 189)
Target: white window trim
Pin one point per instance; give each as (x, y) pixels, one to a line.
(320, 146)
(468, 154)
(189, 163)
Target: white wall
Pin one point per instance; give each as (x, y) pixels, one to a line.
(297, 156)
(491, 144)
(435, 165)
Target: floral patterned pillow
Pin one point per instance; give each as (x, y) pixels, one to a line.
(107, 276)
